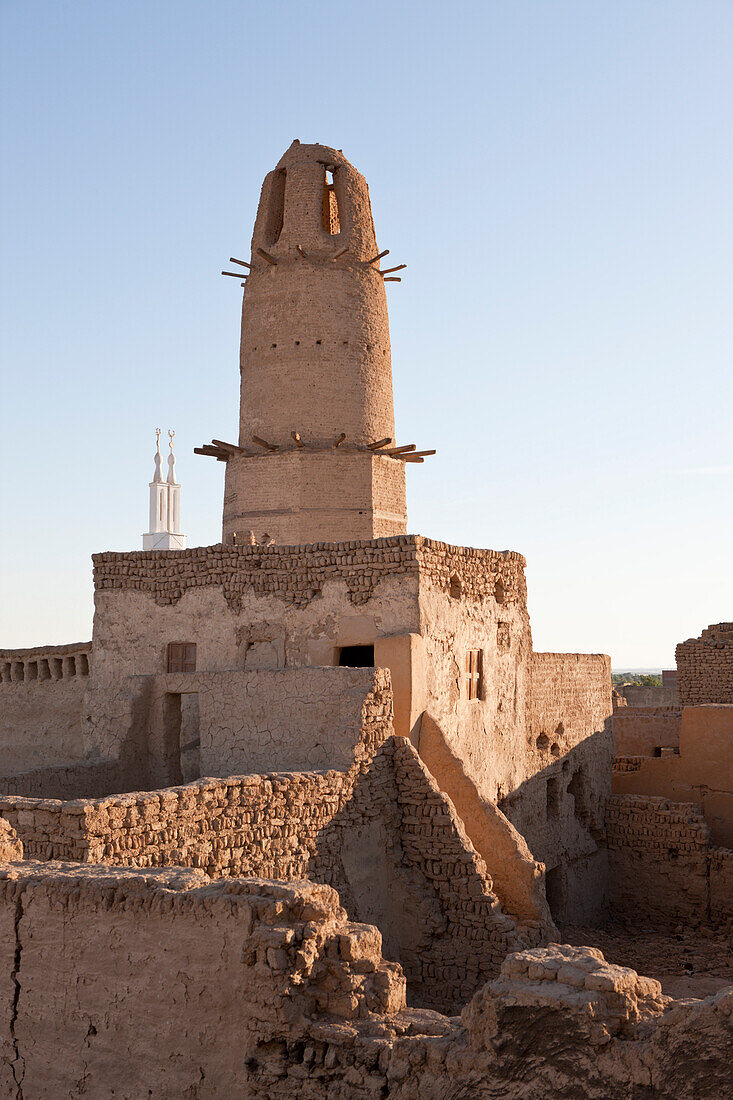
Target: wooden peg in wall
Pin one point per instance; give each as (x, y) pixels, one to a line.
(388, 270)
(375, 258)
(379, 443)
(393, 279)
(242, 263)
(263, 443)
(341, 253)
(298, 441)
(301, 252)
(339, 441)
(266, 256)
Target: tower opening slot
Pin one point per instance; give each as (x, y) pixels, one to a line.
(276, 209)
(330, 207)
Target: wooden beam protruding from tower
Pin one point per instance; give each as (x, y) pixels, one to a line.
(263, 443)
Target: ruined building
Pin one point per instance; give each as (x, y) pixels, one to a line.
(323, 699)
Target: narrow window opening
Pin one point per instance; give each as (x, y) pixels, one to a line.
(356, 656)
(276, 208)
(455, 588)
(69, 666)
(499, 593)
(44, 672)
(181, 656)
(553, 797)
(57, 668)
(577, 788)
(329, 207)
(554, 891)
(18, 672)
(32, 670)
(83, 664)
(475, 674)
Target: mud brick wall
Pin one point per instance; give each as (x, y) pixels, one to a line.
(382, 835)
(638, 731)
(721, 886)
(658, 860)
(296, 718)
(297, 574)
(127, 977)
(705, 667)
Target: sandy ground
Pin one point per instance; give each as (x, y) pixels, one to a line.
(688, 962)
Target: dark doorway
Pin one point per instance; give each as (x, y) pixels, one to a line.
(357, 656)
(183, 745)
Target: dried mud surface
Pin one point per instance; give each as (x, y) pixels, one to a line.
(688, 962)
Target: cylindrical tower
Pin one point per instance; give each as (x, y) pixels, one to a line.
(315, 364)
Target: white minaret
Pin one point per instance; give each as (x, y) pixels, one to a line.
(165, 505)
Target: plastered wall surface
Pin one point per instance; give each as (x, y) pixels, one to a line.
(305, 1005)
(297, 719)
(638, 731)
(637, 695)
(41, 701)
(701, 773)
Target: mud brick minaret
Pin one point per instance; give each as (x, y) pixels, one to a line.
(313, 462)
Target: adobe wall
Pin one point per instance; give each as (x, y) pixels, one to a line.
(273, 607)
(160, 983)
(383, 835)
(568, 752)
(700, 773)
(663, 870)
(705, 667)
(636, 695)
(294, 719)
(41, 696)
(638, 731)
(105, 988)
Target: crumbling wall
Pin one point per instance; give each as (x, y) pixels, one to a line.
(639, 731)
(559, 808)
(383, 835)
(136, 983)
(721, 886)
(658, 860)
(106, 988)
(41, 696)
(700, 771)
(705, 667)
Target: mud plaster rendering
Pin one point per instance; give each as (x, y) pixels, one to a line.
(306, 816)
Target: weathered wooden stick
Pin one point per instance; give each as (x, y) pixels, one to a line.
(298, 441)
(301, 252)
(235, 274)
(232, 448)
(265, 444)
(341, 253)
(419, 454)
(387, 270)
(378, 443)
(266, 256)
(210, 453)
(242, 263)
(402, 450)
(393, 279)
(409, 458)
(339, 441)
(375, 258)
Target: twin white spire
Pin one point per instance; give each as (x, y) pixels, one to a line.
(165, 504)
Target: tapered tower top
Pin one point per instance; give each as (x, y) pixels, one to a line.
(313, 460)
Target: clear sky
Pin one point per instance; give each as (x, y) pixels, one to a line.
(557, 176)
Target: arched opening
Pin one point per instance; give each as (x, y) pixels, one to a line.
(276, 208)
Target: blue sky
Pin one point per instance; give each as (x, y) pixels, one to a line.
(556, 175)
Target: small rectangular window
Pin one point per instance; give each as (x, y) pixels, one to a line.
(181, 656)
(475, 674)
